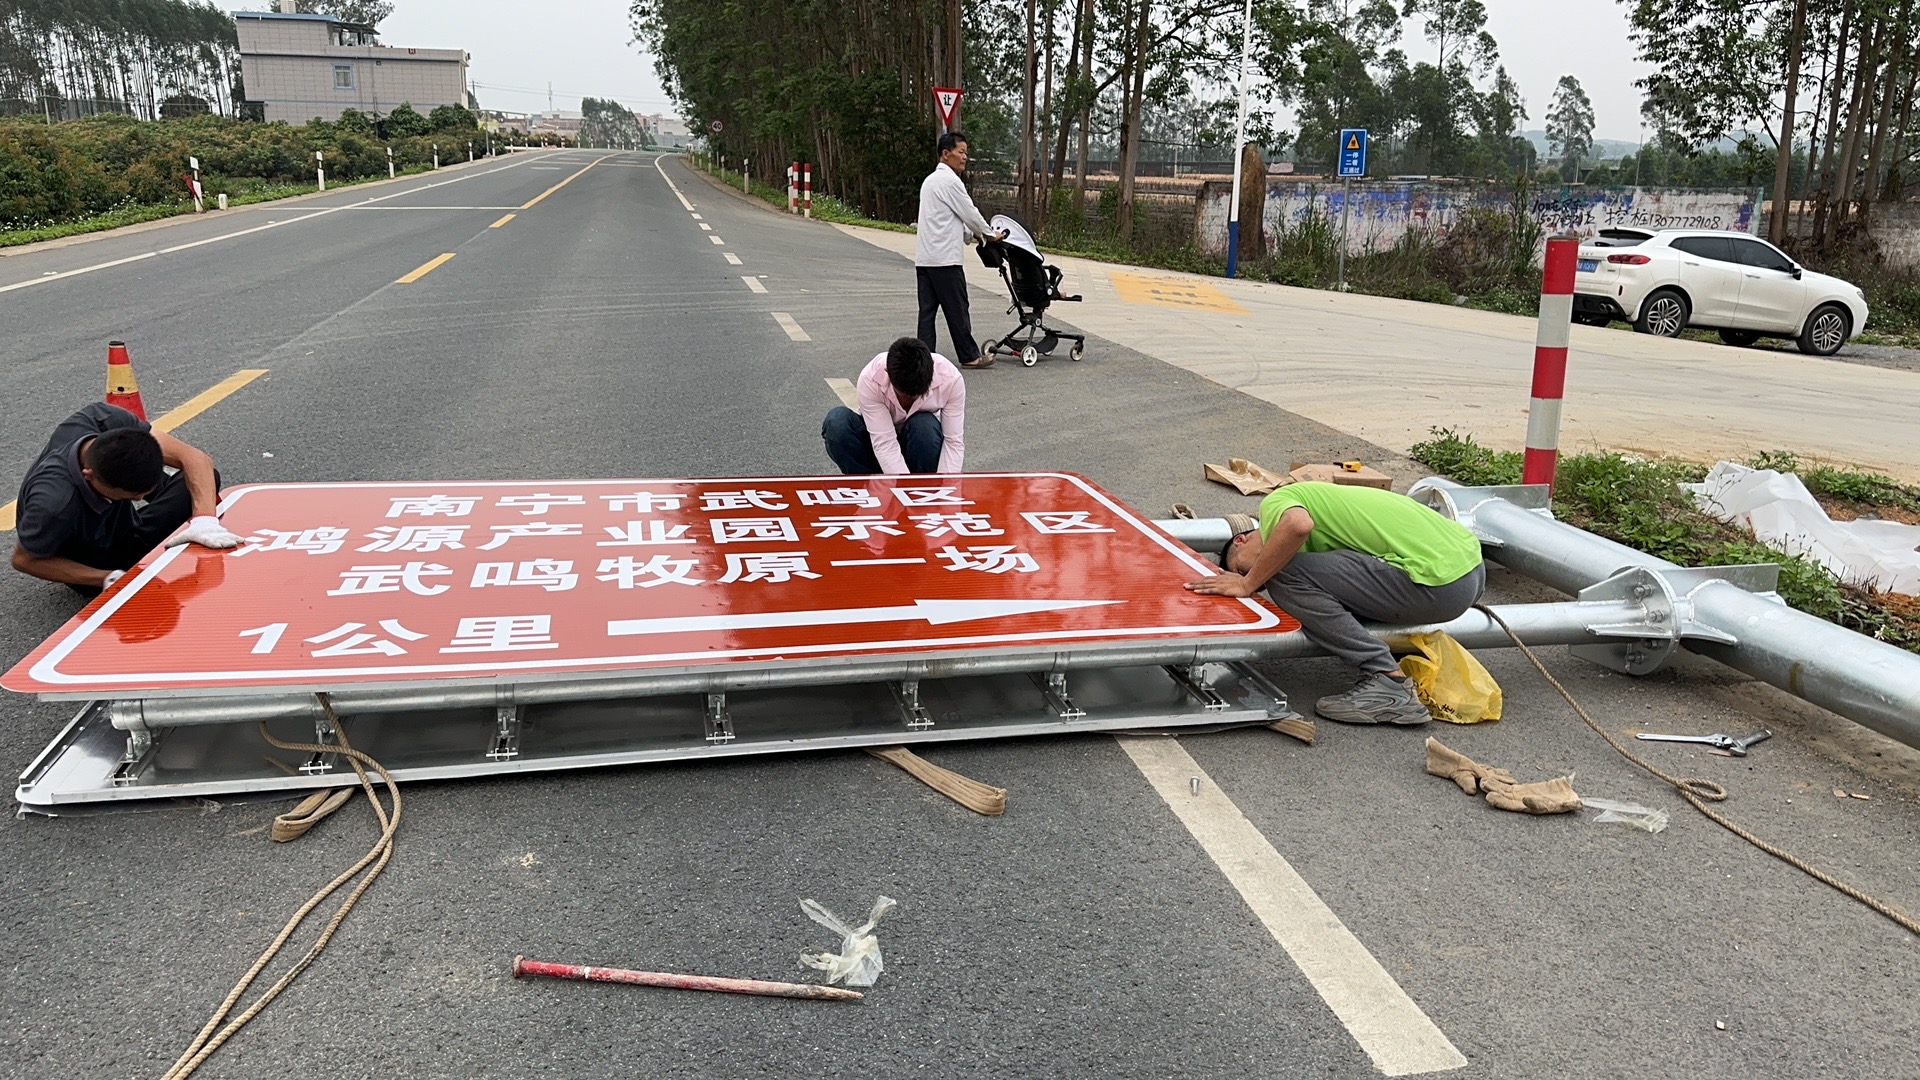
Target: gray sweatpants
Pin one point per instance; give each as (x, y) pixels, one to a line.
(1331, 591)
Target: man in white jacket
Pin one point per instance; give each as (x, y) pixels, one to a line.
(947, 215)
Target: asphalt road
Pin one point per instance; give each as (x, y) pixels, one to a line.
(600, 333)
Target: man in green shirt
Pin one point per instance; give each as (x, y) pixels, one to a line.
(1331, 555)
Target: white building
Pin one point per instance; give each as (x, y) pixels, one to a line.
(305, 66)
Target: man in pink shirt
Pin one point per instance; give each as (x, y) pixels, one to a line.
(912, 416)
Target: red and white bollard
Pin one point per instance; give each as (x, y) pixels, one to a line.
(793, 189)
(806, 189)
(1550, 361)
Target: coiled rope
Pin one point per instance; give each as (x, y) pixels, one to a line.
(1701, 792)
(213, 1035)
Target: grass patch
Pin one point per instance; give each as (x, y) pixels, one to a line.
(1638, 503)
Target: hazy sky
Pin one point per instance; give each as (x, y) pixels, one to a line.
(582, 47)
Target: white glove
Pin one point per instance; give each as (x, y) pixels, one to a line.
(207, 532)
(112, 576)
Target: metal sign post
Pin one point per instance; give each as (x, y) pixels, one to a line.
(1353, 162)
(1239, 146)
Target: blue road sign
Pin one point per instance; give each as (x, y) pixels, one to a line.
(1353, 152)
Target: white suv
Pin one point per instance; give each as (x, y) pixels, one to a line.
(1663, 281)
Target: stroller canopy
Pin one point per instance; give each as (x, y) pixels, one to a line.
(1017, 235)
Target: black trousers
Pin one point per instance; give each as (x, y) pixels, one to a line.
(945, 288)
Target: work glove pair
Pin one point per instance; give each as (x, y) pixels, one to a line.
(1555, 796)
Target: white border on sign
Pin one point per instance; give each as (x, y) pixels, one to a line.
(47, 669)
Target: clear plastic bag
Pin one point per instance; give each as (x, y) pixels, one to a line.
(1640, 817)
(858, 962)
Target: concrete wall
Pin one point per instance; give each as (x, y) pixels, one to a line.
(1381, 213)
(1895, 229)
(289, 65)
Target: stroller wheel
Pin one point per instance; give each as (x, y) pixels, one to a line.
(1079, 350)
(988, 346)
(1029, 356)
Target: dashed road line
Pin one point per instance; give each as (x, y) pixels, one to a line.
(424, 269)
(843, 389)
(696, 217)
(704, 227)
(273, 224)
(1387, 1024)
(753, 283)
(792, 328)
(732, 259)
(716, 240)
(501, 222)
(529, 204)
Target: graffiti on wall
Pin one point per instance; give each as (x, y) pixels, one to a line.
(1380, 214)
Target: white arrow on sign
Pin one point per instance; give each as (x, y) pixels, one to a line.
(935, 612)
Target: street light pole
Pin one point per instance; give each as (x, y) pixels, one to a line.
(1239, 144)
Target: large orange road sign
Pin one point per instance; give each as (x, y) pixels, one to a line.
(407, 583)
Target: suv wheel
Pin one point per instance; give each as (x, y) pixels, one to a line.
(1739, 339)
(1827, 329)
(1664, 314)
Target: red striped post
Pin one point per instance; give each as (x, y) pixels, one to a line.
(793, 188)
(1550, 361)
(806, 188)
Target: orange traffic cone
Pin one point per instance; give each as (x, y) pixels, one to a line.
(122, 388)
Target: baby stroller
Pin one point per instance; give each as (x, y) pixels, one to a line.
(1033, 285)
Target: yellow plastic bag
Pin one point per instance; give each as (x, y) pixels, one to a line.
(1453, 685)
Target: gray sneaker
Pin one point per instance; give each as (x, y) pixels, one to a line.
(1375, 699)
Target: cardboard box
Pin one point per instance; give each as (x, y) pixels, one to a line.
(1364, 476)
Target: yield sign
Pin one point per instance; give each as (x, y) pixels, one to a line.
(389, 584)
(946, 99)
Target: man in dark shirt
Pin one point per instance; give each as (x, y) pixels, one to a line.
(77, 522)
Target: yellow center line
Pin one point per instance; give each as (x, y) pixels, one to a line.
(207, 399)
(187, 410)
(501, 222)
(528, 205)
(426, 268)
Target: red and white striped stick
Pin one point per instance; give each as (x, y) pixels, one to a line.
(806, 188)
(793, 188)
(1550, 361)
(523, 967)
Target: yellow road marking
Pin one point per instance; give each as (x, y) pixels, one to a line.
(843, 389)
(426, 268)
(186, 411)
(1192, 295)
(528, 205)
(207, 399)
(501, 222)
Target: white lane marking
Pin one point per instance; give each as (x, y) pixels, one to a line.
(843, 389)
(1387, 1024)
(792, 328)
(716, 240)
(43, 279)
(696, 217)
(704, 227)
(731, 258)
(671, 184)
(430, 208)
(754, 284)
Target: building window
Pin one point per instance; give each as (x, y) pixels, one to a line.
(343, 76)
